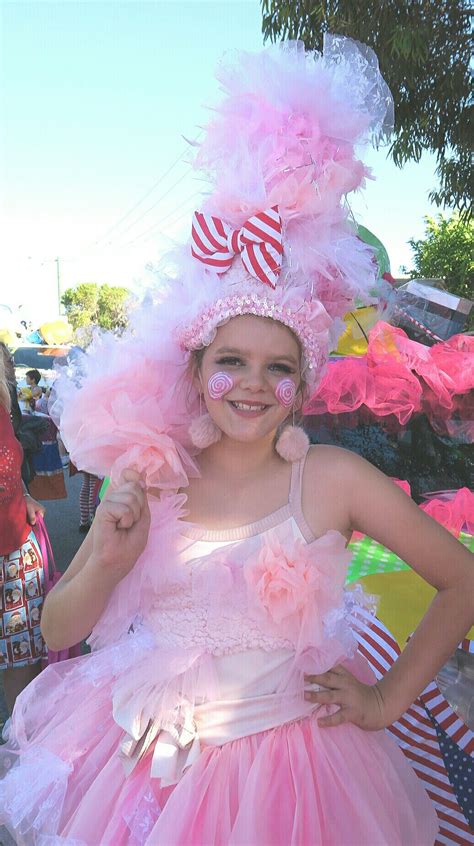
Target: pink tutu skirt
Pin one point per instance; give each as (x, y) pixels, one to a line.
(294, 785)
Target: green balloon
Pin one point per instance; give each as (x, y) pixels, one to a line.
(381, 254)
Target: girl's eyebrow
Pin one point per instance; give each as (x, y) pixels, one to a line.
(233, 350)
(236, 351)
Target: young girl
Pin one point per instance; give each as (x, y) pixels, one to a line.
(21, 568)
(225, 701)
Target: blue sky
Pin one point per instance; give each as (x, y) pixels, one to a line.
(96, 99)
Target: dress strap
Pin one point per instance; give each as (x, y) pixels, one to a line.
(296, 492)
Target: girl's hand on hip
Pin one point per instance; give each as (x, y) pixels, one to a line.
(360, 704)
(121, 525)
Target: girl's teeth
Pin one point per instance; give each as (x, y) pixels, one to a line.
(244, 407)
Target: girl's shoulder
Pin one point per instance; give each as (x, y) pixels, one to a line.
(326, 491)
(330, 460)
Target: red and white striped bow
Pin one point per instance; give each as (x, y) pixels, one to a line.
(215, 244)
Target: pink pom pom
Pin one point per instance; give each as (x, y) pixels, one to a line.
(292, 443)
(204, 432)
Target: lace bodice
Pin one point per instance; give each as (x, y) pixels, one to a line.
(209, 608)
(251, 587)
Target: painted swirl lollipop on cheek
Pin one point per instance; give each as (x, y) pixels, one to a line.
(285, 392)
(219, 384)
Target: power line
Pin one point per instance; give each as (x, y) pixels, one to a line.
(159, 223)
(159, 200)
(147, 194)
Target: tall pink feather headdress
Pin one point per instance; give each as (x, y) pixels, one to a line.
(273, 238)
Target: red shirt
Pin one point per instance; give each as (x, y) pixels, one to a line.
(14, 526)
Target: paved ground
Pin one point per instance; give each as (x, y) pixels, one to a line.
(62, 520)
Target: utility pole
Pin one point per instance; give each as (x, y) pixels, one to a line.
(58, 277)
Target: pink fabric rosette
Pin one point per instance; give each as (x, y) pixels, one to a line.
(296, 587)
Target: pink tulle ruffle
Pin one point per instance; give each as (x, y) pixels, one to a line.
(399, 377)
(72, 788)
(453, 509)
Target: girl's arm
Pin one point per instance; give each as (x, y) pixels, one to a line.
(109, 552)
(381, 510)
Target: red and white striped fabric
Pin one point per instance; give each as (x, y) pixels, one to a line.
(259, 242)
(416, 733)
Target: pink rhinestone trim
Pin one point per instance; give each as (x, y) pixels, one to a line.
(201, 332)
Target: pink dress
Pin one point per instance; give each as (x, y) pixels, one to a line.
(192, 727)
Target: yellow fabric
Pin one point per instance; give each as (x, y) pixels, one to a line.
(56, 332)
(403, 599)
(352, 341)
(8, 337)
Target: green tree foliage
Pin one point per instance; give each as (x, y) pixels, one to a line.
(446, 252)
(96, 305)
(424, 49)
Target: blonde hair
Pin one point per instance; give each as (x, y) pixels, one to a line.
(5, 400)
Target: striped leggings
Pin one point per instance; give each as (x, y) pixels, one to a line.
(88, 497)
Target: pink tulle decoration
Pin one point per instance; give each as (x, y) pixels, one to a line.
(401, 377)
(292, 443)
(151, 458)
(120, 419)
(204, 432)
(296, 589)
(385, 388)
(455, 358)
(388, 343)
(453, 509)
(393, 390)
(343, 388)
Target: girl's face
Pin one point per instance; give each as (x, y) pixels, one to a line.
(257, 353)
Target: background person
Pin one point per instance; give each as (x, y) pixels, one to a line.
(21, 568)
(33, 378)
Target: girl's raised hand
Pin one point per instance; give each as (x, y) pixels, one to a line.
(358, 703)
(121, 525)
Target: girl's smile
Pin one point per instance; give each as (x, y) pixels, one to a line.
(246, 408)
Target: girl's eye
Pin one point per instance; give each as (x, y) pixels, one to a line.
(229, 361)
(235, 361)
(282, 368)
